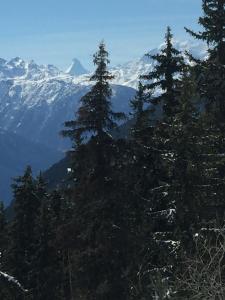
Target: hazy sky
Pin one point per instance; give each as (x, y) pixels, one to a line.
(55, 31)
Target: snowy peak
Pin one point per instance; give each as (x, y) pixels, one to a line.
(38, 72)
(76, 68)
(17, 68)
(128, 74)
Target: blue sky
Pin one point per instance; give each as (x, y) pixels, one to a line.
(55, 31)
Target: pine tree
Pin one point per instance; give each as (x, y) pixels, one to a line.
(169, 65)
(140, 113)
(141, 173)
(22, 232)
(99, 255)
(187, 177)
(95, 115)
(211, 78)
(62, 228)
(160, 256)
(44, 255)
(212, 70)
(213, 22)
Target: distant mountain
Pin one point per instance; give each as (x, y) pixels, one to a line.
(128, 74)
(36, 100)
(16, 153)
(76, 68)
(20, 69)
(37, 108)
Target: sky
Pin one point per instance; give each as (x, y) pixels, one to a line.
(56, 31)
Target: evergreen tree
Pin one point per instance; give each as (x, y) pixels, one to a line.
(187, 177)
(211, 78)
(100, 216)
(212, 71)
(95, 115)
(45, 256)
(162, 246)
(63, 230)
(22, 232)
(141, 113)
(142, 172)
(213, 22)
(169, 65)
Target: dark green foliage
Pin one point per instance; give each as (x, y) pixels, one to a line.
(169, 64)
(212, 71)
(129, 210)
(210, 84)
(213, 22)
(187, 162)
(46, 259)
(95, 115)
(141, 113)
(22, 232)
(99, 249)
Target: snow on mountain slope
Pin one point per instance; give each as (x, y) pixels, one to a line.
(37, 108)
(36, 100)
(128, 74)
(18, 68)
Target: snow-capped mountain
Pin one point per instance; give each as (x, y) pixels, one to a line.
(76, 68)
(36, 100)
(18, 68)
(128, 74)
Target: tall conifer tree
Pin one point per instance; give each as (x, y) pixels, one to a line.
(211, 86)
(169, 64)
(22, 232)
(100, 215)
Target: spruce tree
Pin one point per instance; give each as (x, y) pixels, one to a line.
(140, 113)
(23, 242)
(45, 256)
(160, 205)
(95, 114)
(99, 257)
(213, 22)
(212, 70)
(139, 175)
(165, 76)
(187, 177)
(211, 78)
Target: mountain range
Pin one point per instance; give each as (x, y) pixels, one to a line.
(36, 100)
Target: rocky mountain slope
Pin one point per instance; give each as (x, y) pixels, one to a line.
(36, 100)
(38, 108)
(128, 74)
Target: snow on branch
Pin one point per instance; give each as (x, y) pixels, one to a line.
(12, 281)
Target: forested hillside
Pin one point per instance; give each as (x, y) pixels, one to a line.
(137, 215)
